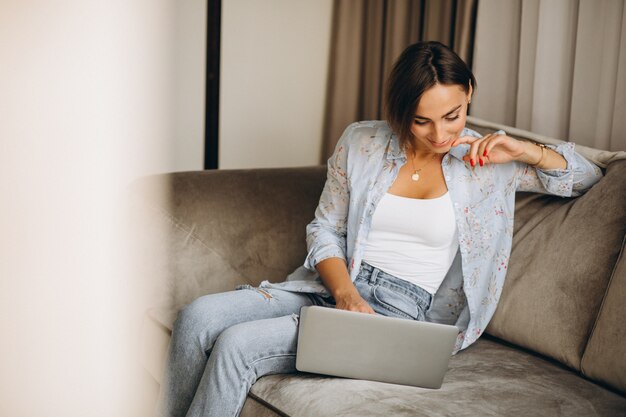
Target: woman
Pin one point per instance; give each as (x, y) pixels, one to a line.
(410, 206)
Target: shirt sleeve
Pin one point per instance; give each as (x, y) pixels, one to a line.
(326, 234)
(578, 176)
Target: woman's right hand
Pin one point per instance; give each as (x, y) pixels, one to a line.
(352, 301)
(334, 274)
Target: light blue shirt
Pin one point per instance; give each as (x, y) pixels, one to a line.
(365, 164)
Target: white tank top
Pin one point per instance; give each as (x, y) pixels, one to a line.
(413, 239)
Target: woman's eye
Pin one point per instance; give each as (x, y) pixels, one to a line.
(449, 119)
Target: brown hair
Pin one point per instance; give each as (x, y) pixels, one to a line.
(420, 67)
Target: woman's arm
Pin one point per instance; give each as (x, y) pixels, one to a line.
(570, 179)
(326, 234)
(561, 171)
(534, 155)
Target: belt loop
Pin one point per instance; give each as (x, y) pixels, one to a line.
(374, 275)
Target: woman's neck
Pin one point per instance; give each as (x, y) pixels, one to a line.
(421, 154)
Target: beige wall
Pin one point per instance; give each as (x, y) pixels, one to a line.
(189, 72)
(274, 67)
(86, 105)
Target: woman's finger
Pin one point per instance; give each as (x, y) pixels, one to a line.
(492, 143)
(364, 307)
(359, 306)
(474, 149)
(486, 146)
(463, 139)
(480, 152)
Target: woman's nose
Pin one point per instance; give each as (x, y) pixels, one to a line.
(437, 133)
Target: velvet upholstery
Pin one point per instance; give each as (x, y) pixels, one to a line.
(487, 379)
(218, 229)
(605, 357)
(255, 408)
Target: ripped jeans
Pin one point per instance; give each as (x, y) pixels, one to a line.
(222, 343)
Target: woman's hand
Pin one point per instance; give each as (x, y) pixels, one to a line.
(334, 274)
(491, 149)
(352, 301)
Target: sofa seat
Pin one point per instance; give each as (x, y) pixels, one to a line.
(490, 378)
(487, 379)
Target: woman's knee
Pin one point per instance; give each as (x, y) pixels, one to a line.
(253, 349)
(201, 315)
(256, 339)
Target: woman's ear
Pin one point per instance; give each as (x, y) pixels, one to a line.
(469, 94)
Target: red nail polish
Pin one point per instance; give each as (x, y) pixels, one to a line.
(472, 163)
(485, 153)
(480, 161)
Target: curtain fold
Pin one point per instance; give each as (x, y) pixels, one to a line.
(595, 71)
(555, 67)
(497, 29)
(368, 36)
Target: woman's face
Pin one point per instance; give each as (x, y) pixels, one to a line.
(440, 117)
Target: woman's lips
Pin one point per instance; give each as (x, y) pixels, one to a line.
(441, 145)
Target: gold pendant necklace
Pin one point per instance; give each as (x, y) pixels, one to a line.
(416, 176)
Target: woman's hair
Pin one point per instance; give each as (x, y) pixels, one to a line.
(420, 67)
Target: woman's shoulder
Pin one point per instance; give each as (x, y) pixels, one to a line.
(366, 132)
(373, 127)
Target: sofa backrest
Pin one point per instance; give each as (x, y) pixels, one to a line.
(208, 231)
(564, 252)
(604, 359)
(564, 283)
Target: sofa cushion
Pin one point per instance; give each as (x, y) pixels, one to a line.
(255, 408)
(564, 251)
(487, 379)
(605, 357)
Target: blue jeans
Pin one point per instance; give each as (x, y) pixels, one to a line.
(222, 343)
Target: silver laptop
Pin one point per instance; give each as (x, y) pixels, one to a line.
(373, 347)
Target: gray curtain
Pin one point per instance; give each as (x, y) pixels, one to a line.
(555, 67)
(367, 37)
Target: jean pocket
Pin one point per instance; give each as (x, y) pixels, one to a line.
(397, 303)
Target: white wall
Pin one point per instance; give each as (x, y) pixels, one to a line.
(274, 67)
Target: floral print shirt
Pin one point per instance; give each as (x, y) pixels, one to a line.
(365, 164)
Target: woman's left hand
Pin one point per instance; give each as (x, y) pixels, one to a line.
(491, 149)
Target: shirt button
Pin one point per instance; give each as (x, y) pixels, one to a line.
(447, 178)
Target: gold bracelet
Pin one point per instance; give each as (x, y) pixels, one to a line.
(543, 153)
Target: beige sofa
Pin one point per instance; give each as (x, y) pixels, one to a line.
(555, 347)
